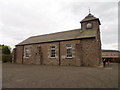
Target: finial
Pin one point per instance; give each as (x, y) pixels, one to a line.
(89, 10)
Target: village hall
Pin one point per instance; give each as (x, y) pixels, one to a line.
(79, 47)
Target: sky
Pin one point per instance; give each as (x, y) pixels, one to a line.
(20, 19)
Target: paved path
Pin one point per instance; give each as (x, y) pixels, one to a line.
(36, 76)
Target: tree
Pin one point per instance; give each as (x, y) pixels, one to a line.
(6, 53)
(6, 50)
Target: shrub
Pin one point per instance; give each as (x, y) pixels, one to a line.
(5, 50)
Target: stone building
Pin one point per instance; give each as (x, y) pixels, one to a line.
(79, 47)
(112, 55)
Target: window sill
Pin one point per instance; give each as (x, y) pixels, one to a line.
(69, 57)
(52, 57)
(26, 57)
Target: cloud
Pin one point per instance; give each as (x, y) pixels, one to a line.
(20, 19)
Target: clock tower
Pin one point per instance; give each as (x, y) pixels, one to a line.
(93, 24)
(90, 22)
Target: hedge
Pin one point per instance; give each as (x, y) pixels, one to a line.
(6, 58)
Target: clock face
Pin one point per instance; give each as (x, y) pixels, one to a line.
(89, 25)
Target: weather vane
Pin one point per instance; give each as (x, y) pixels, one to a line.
(89, 10)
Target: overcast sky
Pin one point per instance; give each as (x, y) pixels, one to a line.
(20, 19)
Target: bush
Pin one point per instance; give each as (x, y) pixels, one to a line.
(6, 58)
(5, 53)
(5, 50)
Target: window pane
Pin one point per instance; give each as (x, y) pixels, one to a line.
(69, 50)
(69, 45)
(26, 52)
(52, 46)
(52, 51)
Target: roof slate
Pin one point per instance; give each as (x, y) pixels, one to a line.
(66, 35)
(90, 17)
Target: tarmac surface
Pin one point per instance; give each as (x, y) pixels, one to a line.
(37, 76)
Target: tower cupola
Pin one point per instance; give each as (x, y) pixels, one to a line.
(90, 22)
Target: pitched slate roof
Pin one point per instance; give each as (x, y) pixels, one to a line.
(66, 35)
(90, 17)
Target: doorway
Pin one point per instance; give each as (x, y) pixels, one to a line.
(39, 59)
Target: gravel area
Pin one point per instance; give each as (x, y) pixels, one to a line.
(37, 76)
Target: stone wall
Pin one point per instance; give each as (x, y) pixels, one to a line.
(90, 52)
(19, 54)
(84, 52)
(63, 52)
(94, 23)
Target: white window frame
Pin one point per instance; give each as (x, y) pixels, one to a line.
(52, 52)
(26, 53)
(69, 51)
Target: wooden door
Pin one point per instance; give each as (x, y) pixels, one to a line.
(39, 55)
